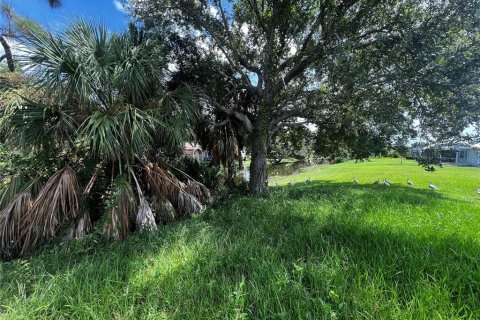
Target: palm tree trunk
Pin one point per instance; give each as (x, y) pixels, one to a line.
(8, 54)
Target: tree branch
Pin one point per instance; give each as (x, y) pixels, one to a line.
(240, 116)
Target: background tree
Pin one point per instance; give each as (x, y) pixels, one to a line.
(296, 142)
(379, 59)
(219, 133)
(9, 17)
(6, 30)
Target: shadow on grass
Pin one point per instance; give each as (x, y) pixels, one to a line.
(266, 257)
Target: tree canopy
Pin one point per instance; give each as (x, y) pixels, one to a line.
(381, 64)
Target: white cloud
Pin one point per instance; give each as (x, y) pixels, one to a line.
(119, 6)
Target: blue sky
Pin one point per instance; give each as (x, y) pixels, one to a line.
(107, 11)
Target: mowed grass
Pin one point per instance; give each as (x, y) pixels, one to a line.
(325, 250)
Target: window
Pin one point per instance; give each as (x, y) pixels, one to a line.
(462, 154)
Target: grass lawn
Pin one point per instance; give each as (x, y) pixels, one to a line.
(325, 250)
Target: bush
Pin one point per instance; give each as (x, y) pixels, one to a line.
(393, 154)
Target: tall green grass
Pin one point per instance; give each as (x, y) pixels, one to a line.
(325, 250)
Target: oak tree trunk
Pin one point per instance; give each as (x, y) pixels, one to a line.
(258, 166)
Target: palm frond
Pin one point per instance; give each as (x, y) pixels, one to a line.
(137, 75)
(10, 224)
(80, 227)
(30, 125)
(178, 109)
(145, 220)
(198, 190)
(165, 185)
(48, 61)
(162, 183)
(16, 185)
(118, 137)
(187, 204)
(57, 202)
(164, 211)
(104, 133)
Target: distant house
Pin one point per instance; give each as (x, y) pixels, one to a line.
(192, 150)
(416, 151)
(461, 154)
(446, 152)
(468, 155)
(195, 151)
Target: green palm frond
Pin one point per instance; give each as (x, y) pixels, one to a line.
(96, 67)
(137, 75)
(104, 134)
(178, 110)
(31, 125)
(119, 137)
(49, 61)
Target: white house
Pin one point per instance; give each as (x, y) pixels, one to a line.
(468, 155)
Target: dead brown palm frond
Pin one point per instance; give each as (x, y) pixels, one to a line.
(198, 190)
(164, 210)
(223, 144)
(144, 220)
(80, 227)
(195, 188)
(58, 201)
(10, 220)
(187, 204)
(122, 207)
(164, 184)
(94, 178)
(117, 225)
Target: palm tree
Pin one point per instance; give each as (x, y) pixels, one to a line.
(104, 116)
